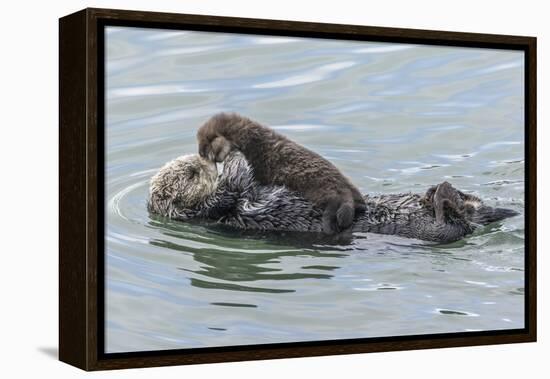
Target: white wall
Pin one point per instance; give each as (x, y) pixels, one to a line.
(28, 185)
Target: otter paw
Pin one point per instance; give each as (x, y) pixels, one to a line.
(215, 150)
(337, 216)
(330, 225)
(344, 216)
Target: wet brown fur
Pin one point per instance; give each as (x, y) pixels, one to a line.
(277, 160)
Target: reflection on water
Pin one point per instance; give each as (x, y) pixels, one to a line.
(394, 118)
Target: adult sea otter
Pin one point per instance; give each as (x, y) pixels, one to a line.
(189, 188)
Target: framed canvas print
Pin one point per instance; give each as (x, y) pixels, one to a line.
(238, 189)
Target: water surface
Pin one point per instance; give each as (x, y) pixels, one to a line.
(394, 118)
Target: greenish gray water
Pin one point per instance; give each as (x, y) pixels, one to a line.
(394, 118)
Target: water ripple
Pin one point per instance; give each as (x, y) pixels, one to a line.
(114, 203)
(451, 312)
(313, 75)
(502, 66)
(383, 49)
(152, 90)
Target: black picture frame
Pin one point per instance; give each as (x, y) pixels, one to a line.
(81, 183)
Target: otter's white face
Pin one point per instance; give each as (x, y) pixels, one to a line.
(182, 183)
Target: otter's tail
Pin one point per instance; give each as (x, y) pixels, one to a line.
(485, 215)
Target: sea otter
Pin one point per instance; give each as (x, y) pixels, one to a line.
(187, 188)
(277, 160)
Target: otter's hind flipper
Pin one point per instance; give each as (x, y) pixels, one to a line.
(485, 215)
(450, 203)
(337, 216)
(446, 200)
(476, 211)
(344, 216)
(329, 218)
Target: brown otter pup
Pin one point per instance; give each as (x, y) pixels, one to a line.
(277, 160)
